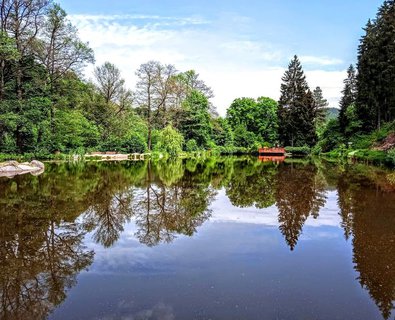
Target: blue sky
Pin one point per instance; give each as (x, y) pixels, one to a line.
(240, 48)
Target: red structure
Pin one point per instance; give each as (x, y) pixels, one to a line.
(271, 151)
(276, 159)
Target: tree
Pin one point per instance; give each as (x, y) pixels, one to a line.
(349, 96)
(60, 49)
(170, 141)
(109, 82)
(320, 104)
(154, 92)
(196, 120)
(257, 116)
(222, 133)
(22, 21)
(375, 101)
(8, 53)
(266, 119)
(297, 111)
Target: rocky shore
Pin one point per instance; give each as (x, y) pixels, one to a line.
(14, 168)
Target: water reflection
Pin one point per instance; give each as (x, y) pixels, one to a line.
(170, 205)
(300, 192)
(368, 213)
(44, 219)
(41, 246)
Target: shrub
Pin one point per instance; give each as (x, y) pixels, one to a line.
(391, 157)
(371, 156)
(135, 144)
(298, 151)
(170, 141)
(191, 146)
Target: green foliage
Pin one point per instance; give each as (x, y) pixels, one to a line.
(297, 111)
(74, 131)
(244, 138)
(195, 123)
(366, 141)
(8, 49)
(331, 137)
(376, 64)
(135, 143)
(222, 133)
(256, 116)
(191, 146)
(170, 141)
(370, 156)
(391, 157)
(348, 99)
(298, 151)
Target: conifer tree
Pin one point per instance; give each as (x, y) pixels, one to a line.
(296, 110)
(376, 69)
(349, 96)
(320, 103)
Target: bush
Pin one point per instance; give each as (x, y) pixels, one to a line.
(391, 157)
(331, 137)
(371, 156)
(298, 151)
(135, 144)
(170, 141)
(191, 146)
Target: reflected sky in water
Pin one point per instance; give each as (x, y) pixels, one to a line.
(227, 238)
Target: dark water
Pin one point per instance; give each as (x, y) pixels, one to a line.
(224, 238)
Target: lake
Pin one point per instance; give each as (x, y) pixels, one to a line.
(215, 238)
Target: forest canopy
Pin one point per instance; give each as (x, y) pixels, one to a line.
(47, 107)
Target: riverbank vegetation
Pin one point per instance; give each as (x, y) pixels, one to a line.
(47, 108)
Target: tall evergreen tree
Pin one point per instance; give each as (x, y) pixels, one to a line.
(320, 103)
(296, 110)
(376, 69)
(349, 96)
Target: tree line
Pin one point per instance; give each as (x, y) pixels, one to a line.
(368, 98)
(46, 105)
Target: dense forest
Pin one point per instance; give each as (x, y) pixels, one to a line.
(47, 107)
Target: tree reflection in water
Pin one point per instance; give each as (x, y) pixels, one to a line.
(298, 190)
(299, 193)
(41, 239)
(41, 248)
(367, 208)
(252, 184)
(166, 208)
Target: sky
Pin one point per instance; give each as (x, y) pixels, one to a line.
(239, 48)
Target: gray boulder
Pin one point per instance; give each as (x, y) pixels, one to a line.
(13, 168)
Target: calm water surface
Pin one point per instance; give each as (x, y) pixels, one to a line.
(220, 238)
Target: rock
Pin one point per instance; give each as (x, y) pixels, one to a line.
(24, 167)
(9, 163)
(10, 168)
(13, 168)
(37, 164)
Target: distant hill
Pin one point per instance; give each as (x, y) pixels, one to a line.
(332, 113)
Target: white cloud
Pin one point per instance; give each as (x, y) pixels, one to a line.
(225, 212)
(321, 61)
(233, 65)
